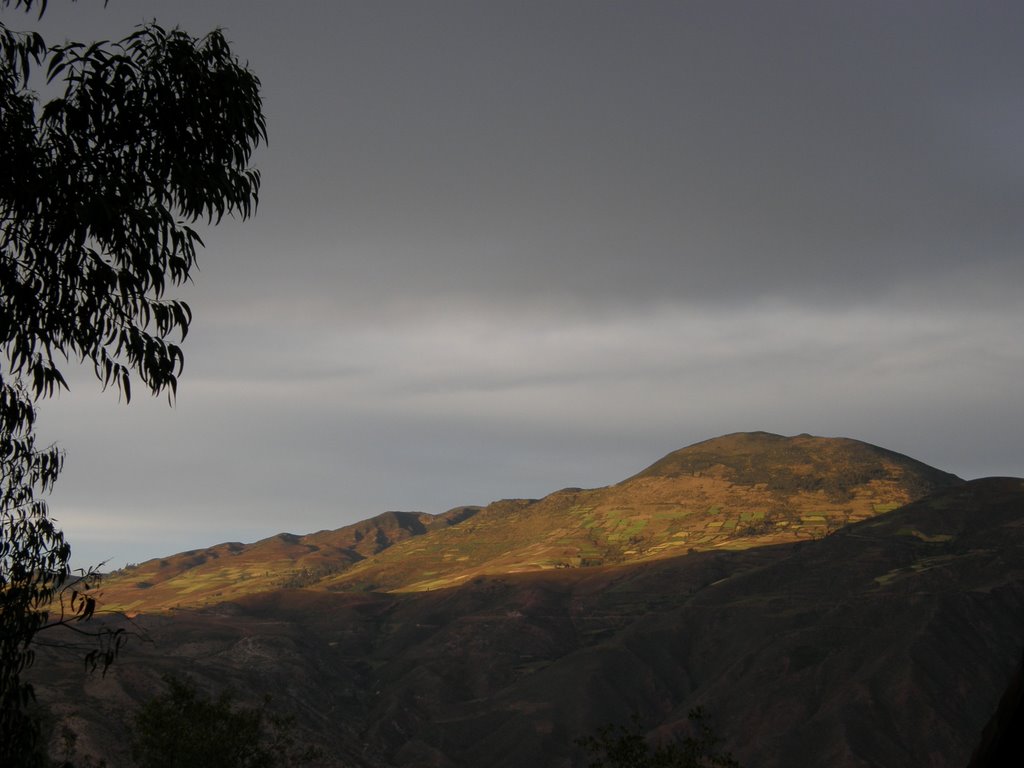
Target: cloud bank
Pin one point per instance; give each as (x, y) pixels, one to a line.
(504, 248)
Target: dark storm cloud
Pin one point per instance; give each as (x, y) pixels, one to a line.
(626, 152)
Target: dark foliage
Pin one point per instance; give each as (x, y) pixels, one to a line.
(619, 746)
(98, 188)
(183, 728)
(1002, 741)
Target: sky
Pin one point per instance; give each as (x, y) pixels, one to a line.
(508, 247)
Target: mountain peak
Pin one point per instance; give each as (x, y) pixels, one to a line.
(802, 462)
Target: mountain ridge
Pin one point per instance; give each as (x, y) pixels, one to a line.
(734, 491)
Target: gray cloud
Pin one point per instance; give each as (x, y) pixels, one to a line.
(465, 409)
(504, 248)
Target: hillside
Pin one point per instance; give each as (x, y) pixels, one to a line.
(732, 492)
(888, 643)
(228, 571)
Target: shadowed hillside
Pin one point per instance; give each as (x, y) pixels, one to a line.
(888, 643)
(733, 492)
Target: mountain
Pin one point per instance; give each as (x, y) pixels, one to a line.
(228, 571)
(827, 602)
(888, 643)
(732, 492)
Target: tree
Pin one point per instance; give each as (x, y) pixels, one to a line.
(618, 746)
(98, 189)
(184, 728)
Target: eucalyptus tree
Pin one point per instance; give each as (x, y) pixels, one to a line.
(100, 188)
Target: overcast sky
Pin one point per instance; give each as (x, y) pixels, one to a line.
(507, 247)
